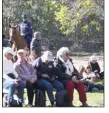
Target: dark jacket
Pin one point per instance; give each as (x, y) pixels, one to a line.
(36, 45)
(44, 68)
(25, 28)
(61, 69)
(95, 66)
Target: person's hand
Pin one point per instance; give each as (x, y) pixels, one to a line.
(53, 78)
(74, 79)
(45, 76)
(83, 80)
(89, 81)
(95, 71)
(18, 79)
(15, 81)
(32, 81)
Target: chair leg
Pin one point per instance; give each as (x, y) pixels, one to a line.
(5, 101)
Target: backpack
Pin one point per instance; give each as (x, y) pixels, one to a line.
(62, 99)
(40, 98)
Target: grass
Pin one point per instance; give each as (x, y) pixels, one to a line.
(94, 99)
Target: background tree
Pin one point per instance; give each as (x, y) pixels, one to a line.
(63, 22)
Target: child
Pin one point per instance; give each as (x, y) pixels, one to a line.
(89, 79)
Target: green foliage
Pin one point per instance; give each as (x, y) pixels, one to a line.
(83, 18)
(58, 19)
(62, 16)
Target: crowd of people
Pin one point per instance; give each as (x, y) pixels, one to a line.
(47, 73)
(34, 70)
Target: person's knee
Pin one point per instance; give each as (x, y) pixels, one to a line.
(70, 85)
(22, 84)
(61, 86)
(81, 86)
(48, 86)
(13, 85)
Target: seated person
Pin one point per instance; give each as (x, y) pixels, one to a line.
(11, 79)
(95, 66)
(46, 75)
(27, 73)
(69, 76)
(89, 79)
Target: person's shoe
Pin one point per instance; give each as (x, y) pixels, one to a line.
(29, 105)
(53, 104)
(20, 105)
(71, 105)
(85, 105)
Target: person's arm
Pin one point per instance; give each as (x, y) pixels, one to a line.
(6, 77)
(36, 64)
(6, 70)
(18, 27)
(14, 72)
(22, 75)
(30, 30)
(75, 70)
(61, 75)
(98, 68)
(34, 74)
(33, 44)
(60, 70)
(91, 80)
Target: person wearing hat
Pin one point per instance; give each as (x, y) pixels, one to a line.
(36, 44)
(46, 75)
(27, 73)
(25, 29)
(69, 76)
(93, 61)
(11, 78)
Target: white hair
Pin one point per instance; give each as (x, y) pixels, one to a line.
(62, 51)
(36, 33)
(93, 58)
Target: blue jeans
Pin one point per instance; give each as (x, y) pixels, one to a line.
(11, 86)
(48, 86)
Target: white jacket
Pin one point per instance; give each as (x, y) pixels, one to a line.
(90, 75)
(8, 68)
